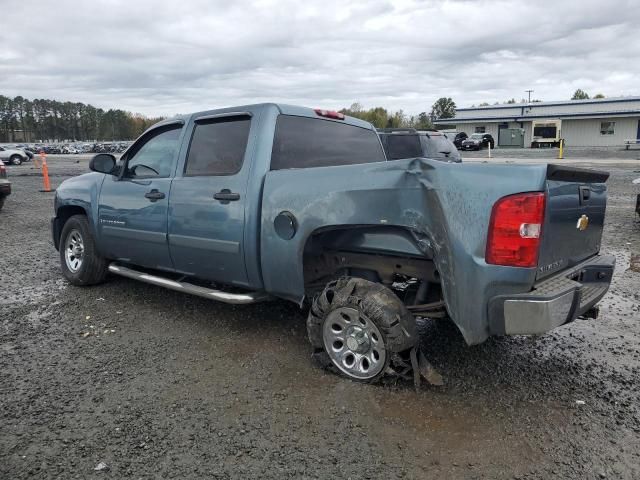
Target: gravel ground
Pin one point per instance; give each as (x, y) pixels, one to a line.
(156, 384)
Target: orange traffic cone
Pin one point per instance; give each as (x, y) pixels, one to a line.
(45, 176)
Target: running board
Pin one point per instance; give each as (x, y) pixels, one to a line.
(226, 297)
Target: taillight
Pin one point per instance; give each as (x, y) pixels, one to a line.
(514, 230)
(329, 114)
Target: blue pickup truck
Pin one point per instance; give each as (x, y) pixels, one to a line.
(267, 201)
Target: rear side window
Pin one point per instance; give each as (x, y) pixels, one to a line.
(402, 146)
(302, 142)
(217, 146)
(438, 145)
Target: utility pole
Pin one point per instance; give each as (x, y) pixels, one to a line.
(529, 92)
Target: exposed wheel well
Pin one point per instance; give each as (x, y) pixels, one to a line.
(391, 256)
(62, 215)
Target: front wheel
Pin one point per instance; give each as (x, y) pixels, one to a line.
(81, 264)
(358, 328)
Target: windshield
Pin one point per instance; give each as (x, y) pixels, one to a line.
(477, 136)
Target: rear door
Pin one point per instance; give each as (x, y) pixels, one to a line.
(574, 218)
(208, 200)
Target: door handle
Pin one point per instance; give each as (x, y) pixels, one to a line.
(154, 195)
(585, 194)
(225, 196)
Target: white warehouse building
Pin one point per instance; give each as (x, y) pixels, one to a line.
(609, 122)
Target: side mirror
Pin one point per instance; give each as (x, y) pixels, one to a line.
(102, 163)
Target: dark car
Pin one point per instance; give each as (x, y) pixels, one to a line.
(401, 143)
(458, 139)
(478, 141)
(5, 184)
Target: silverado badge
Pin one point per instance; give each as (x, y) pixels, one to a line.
(583, 223)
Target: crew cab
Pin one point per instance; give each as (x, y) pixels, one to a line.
(267, 201)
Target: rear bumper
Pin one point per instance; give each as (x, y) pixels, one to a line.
(553, 301)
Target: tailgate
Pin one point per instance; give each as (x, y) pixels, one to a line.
(574, 217)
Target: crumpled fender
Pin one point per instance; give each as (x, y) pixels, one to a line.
(446, 205)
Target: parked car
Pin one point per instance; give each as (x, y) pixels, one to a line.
(410, 143)
(458, 138)
(23, 149)
(70, 149)
(52, 149)
(13, 156)
(5, 184)
(275, 201)
(478, 141)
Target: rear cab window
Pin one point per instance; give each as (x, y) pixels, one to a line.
(304, 142)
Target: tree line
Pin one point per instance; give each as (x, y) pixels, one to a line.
(380, 117)
(38, 120)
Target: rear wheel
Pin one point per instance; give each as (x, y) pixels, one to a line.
(81, 264)
(16, 160)
(2, 202)
(359, 328)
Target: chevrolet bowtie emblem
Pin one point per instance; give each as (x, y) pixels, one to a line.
(583, 223)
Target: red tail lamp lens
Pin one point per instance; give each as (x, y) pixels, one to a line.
(514, 230)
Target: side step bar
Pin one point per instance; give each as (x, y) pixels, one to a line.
(210, 293)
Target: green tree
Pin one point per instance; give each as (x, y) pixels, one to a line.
(423, 122)
(44, 120)
(444, 107)
(598, 95)
(580, 94)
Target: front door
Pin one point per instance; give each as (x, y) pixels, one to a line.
(207, 203)
(133, 206)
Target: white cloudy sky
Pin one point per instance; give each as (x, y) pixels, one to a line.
(167, 57)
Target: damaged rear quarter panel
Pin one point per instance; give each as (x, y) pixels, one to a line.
(448, 203)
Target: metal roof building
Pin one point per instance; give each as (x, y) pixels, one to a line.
(582, 123)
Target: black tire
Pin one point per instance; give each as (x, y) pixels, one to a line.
(378, 304)
(16, 160)
(2, 199)
(93, 268)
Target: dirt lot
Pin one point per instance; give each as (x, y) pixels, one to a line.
(156, 384)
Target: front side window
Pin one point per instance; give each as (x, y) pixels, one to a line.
(607, 128)
(218, 146)
(154, 155)
(303, 142)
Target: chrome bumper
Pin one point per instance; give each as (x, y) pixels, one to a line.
(554, 301)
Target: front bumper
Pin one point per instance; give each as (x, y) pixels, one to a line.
(553, 301)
